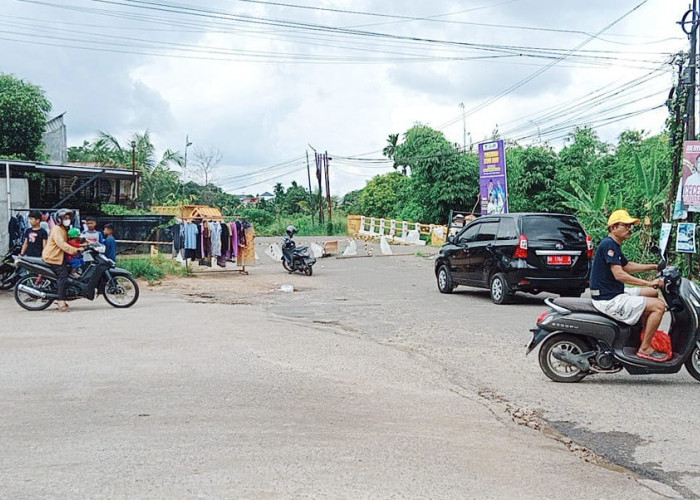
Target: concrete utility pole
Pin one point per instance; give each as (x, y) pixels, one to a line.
(692, 67)
(184, 168)
(464, 127)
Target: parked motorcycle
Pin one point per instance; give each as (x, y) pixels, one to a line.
(38, 289)
(578, 340)
(296, 258)
(9, 273)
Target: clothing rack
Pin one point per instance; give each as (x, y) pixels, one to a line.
(220, 219)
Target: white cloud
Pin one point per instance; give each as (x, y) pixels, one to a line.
(259, 114)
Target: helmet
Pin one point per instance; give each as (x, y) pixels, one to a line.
(61, 213)
(291, 230)
(73, 232)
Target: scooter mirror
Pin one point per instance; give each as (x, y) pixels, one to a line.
(656, 250)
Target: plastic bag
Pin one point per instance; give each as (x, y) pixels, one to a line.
(661, 342)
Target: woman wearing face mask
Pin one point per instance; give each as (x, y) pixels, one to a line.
(55, 252)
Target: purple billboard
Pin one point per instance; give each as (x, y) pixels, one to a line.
(492, 178)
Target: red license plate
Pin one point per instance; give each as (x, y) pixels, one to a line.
(559, 260)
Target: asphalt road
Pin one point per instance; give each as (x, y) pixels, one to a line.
(364, 382)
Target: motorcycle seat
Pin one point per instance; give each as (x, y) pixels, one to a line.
(576, 304)
(35, 260)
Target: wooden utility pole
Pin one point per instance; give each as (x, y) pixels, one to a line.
(311, 194)
(328, 188)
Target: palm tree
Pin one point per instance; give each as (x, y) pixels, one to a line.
(158, 182)
(390, 151)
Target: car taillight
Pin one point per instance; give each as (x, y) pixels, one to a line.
(589, 244)
(521, 251)
(542, 316)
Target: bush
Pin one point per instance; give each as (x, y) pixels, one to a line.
(257, 217)
(152, 269)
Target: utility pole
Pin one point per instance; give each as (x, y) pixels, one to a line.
(692, 70)
(464, 127)
(690, 129)
(311, 194)
(133, 170)
(328, 188)
(319, 175)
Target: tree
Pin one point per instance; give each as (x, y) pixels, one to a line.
(380, 196)
(442, 178)
(351, 202)
(206, 161)
(531, 172)
(159, 184)
(23, 110)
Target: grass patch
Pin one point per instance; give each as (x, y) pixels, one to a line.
(153, 270)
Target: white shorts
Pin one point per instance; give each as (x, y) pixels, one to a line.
(626, 307)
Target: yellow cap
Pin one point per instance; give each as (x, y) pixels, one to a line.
(621, 216)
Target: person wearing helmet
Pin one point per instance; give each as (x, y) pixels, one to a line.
(55, 251)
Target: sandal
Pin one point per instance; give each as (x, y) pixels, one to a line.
(657, 356)
(64, 308)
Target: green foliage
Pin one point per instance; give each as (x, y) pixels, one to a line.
(441, 177)
(531, 174)
(23, 110)
(258, 217)
(381, 195)
(152, 269)
(351, 202)
(122, 210)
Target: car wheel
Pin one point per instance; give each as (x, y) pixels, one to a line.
(500, 291)
(444, 280)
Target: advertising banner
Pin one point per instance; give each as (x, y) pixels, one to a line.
(664, 236)
(691, 176)
(685, 237)
(492, 178)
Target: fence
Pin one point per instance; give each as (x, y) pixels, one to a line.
(398, 231)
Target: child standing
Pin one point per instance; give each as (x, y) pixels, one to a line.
(76, 261)
(92, 235)
(35, 237)
(110, 242)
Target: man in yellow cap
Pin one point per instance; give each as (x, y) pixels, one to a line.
(611, 271)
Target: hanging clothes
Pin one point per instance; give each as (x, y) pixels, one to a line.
(225, 239)
(215, 238)
(234, 241)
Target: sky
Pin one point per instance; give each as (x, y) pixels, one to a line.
(266, 81)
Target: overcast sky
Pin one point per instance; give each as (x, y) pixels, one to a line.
(260, 79)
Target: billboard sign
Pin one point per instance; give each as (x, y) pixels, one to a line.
(492, 178)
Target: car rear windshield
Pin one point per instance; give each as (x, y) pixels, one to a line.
(540, 227)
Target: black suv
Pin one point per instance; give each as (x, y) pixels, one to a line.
(529, 252)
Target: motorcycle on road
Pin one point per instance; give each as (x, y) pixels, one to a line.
(296, 258)
(577, 340)
(37, 290)
(9, 272)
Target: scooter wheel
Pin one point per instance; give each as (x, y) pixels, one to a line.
(693, 364)
(557, 370)
(286, 266)
(308, 270)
